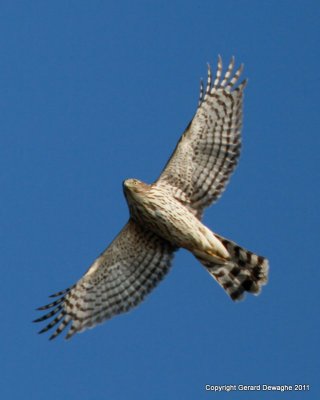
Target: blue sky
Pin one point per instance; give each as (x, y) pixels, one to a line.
(95, 92)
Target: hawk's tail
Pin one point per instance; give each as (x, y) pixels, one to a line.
(244, 272)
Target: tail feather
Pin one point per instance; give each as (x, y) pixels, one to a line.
(243, 272)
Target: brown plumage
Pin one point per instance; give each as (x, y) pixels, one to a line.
(167, 215)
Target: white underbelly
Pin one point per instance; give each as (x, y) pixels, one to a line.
(178, 225)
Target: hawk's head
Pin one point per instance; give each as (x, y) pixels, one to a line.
(134, 187)
(135, 193)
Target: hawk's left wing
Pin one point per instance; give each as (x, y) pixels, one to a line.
(208, 150)
(118, 280)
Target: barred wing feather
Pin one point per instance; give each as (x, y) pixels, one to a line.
(118, 280)
(209, 149)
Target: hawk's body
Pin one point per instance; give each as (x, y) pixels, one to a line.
(153, 207)
(167, 215)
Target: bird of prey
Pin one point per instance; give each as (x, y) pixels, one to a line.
(166, 215)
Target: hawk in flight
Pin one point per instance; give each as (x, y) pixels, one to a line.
(166, 215)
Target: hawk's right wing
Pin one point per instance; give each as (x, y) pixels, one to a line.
(208, 150)
(118, 280)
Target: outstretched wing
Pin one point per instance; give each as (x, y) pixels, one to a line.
(118, 280)
(208, 150)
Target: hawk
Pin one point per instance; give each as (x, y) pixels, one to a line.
(166, 215)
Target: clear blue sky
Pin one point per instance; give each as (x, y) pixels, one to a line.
(93, 92)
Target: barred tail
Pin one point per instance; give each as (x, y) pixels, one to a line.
(244, 272)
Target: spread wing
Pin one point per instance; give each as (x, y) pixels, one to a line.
(208, 150)
(118, 280)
